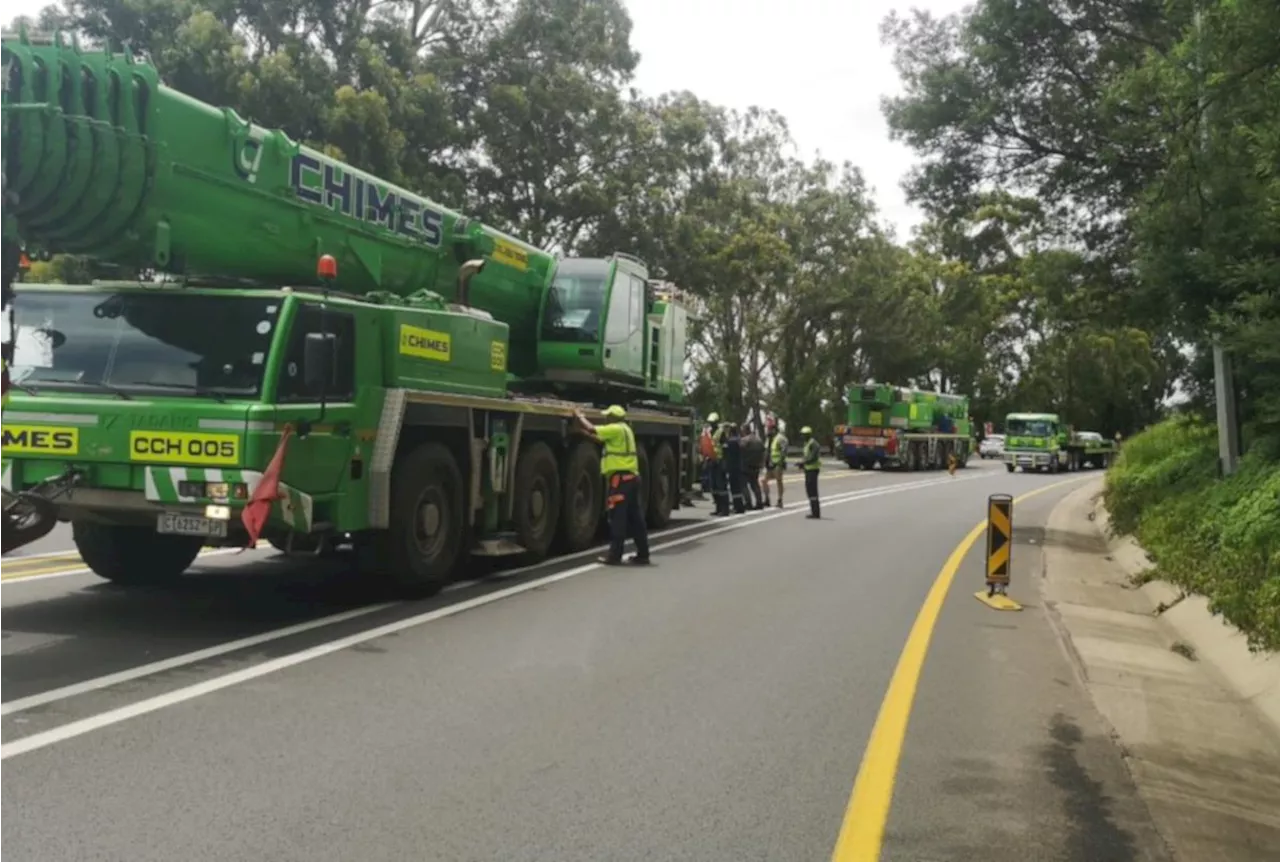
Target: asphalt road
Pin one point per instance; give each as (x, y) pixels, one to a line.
(717, 706)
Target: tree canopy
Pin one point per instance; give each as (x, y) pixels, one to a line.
(1101, 180)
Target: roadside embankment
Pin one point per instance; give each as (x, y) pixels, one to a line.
(1216, 538)
(1195, 712)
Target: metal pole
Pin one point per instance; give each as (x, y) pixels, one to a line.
(1224, 387)
(1224, 393)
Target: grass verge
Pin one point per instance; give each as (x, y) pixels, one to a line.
(1217, 537)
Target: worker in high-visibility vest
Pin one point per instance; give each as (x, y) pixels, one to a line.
(719, 477)
(775, 460)
(620, 466)
(706, 454)
(811, 463)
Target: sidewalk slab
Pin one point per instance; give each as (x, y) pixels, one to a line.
(1219, 646)
(1200, 749)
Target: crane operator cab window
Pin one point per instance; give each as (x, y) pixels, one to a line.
(599, 302)
(575, 303)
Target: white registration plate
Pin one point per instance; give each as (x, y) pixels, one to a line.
(190, 525)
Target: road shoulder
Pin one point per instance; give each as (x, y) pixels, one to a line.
(1202, 754)
(1006, 759)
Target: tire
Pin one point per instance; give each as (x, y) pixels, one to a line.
(662, 482)
(1010, 467)
(134, 556)
(642, 491)
(537, 500)
(581, 498)
(418, 553)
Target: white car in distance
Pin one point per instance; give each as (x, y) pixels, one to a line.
(992, 446)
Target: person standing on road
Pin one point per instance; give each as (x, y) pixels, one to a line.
(775, 460)
(706, 454)
(620, 465)
(733, 466)
(719, 481)
(811, 463)
(752, 463)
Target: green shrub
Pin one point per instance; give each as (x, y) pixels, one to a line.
(1216, 537)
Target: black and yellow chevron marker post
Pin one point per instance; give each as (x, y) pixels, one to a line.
(999, 562)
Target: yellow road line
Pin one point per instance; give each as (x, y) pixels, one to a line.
(69, 563)
(46, 570)
(862, 832)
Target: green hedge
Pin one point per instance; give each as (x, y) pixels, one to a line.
(1219, 538)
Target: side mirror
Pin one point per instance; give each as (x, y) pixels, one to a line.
(319, 361)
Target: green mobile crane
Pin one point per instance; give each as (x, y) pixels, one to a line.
(903, 428)
(415, 371)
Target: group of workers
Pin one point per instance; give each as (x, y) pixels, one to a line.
(731, 461)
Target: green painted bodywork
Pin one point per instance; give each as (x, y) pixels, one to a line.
(1034, 432)
(1039, 439)
(107, 161)
(253, 414)
(904, 427)
(914, 411)
(104, 160)
(1094, 443)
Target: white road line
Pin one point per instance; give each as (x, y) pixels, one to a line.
(32, 701)
(72, 556)
(74, 729)
(79, 688)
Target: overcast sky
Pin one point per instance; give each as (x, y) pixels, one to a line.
(818, 62)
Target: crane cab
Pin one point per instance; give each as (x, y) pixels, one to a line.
(603, 325)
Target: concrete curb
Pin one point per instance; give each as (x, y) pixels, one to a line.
(1219, 646)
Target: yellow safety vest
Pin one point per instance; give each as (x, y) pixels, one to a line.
(718, 440)
(777, 454)
(812, 456)
(620, 454)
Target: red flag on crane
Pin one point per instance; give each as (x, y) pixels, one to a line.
(258, 509)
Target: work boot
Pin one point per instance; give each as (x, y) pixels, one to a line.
(637, 560)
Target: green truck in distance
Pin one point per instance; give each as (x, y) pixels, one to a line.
(1039, 441)
(416, 371)
(903, 428)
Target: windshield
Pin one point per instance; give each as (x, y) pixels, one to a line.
(148, 342)
(575, 301)
(1029, 428)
